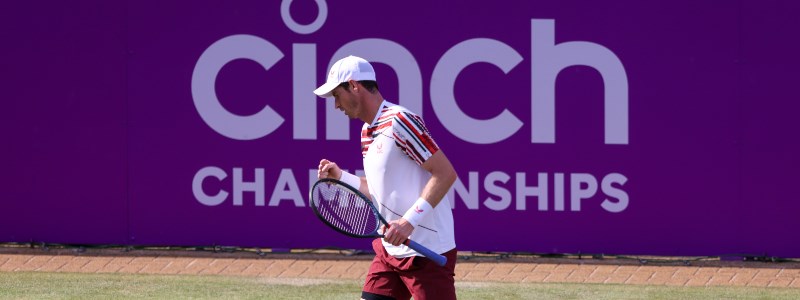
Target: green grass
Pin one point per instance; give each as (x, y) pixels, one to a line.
(39, 285)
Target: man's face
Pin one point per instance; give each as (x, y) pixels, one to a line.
(346, 101)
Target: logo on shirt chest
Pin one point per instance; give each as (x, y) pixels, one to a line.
(379, 148)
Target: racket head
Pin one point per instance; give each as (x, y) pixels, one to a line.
(345, 209)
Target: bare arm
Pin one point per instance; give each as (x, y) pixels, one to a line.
(442, 178)
(329, 169)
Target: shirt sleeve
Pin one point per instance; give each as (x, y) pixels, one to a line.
(413, 137)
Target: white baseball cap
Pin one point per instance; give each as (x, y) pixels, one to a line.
(348, 68)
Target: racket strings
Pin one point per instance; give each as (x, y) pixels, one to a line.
(345, 210)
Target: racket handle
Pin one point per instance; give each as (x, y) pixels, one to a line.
(435, 257)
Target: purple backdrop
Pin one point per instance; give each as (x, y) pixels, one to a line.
(616, 127)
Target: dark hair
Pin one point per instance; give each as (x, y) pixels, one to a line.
(370, 85)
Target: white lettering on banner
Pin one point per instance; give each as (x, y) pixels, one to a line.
(577, 183)
(443, 98)
(547, 60)
(240, 186)
(322, 14)
(504, 195)
(559, 191)
(583, 189)
(495, 191)
(622, 197)
(204, 92)
(197, 186)
(285, 187)
(500, 196)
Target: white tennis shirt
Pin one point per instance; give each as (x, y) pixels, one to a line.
(394, 147)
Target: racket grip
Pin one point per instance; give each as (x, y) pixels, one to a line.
(435, 257)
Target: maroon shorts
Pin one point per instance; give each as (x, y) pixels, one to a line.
(417, 276)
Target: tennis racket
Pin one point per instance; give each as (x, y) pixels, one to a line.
(345, 209)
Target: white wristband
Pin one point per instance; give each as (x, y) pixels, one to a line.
(418, 211)
(350, 179)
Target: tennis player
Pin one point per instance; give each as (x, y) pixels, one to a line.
(408, 176)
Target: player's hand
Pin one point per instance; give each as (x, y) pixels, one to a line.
(328, 169)
(398, 232)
